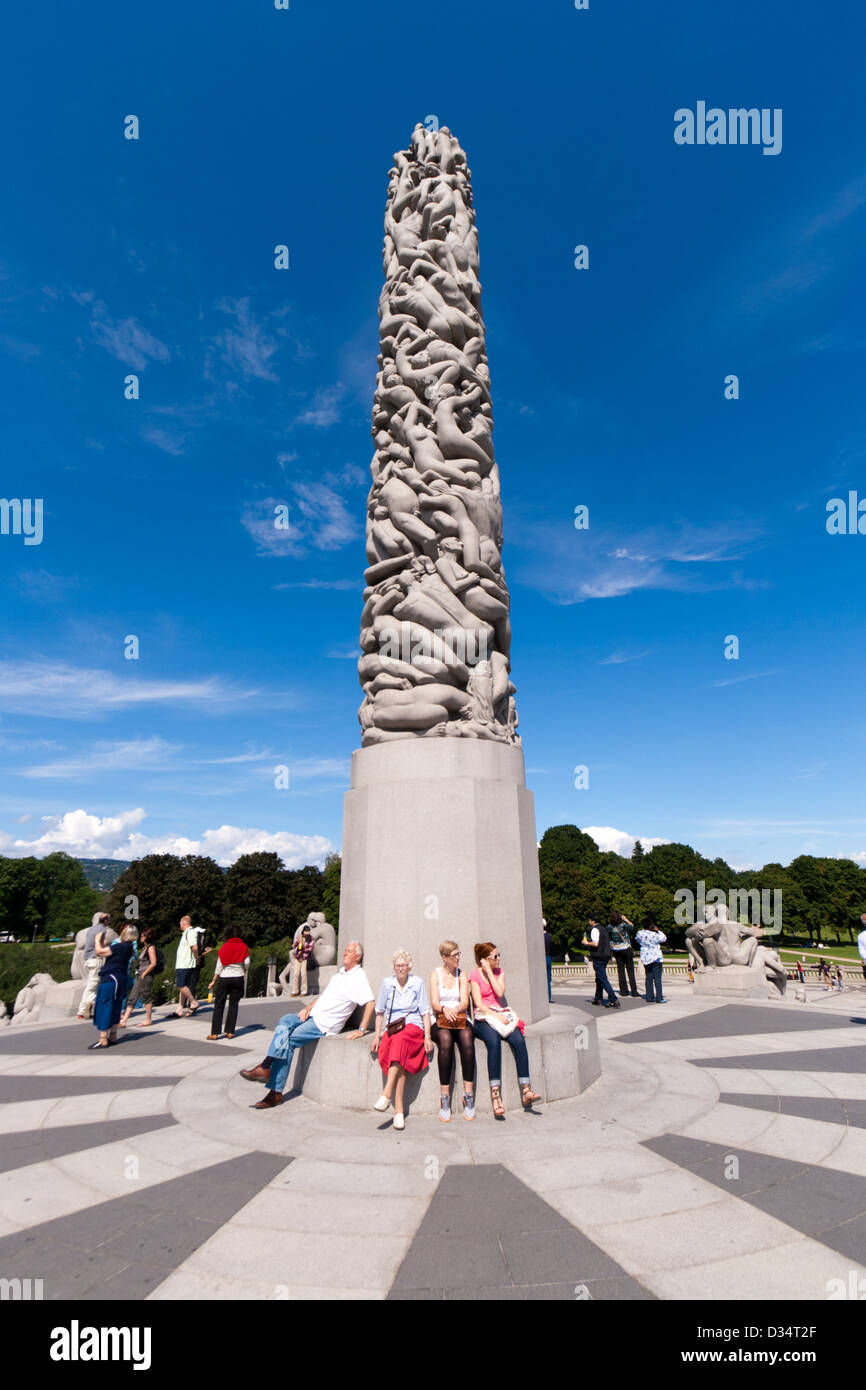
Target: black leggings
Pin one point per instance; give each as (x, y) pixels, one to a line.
(444, 1040)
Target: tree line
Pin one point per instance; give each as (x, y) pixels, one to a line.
(267, 901)
(818, 896)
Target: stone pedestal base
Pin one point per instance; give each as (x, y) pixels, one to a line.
(732, 982)
(439, 843)
(563, 1061)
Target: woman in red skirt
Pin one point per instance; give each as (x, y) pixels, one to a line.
(402, 1039)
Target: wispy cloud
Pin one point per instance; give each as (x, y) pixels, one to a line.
(43, 587)
(163, 439)
(126, 339)
(572, 566)
(60, 691)
(751, 676)
(620, 658)
(131, 756)
(325, 410)
(246, 348)
(319, 516)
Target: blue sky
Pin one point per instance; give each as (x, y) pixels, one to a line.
(707, 516)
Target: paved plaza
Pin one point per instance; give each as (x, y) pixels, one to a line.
(722, 1154)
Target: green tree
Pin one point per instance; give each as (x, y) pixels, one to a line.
(304, 894)
(159, 889)
(331, 889)
(256, 897)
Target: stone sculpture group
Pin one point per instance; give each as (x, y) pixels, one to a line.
(718, 942)
(435, 632)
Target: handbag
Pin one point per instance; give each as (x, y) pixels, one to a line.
(393, 1028)
(503, 1021)
(459, 1022)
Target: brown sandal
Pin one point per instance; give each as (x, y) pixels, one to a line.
(496, 1100)
(528, 1096)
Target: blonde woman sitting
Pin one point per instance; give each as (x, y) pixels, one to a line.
(449, 995)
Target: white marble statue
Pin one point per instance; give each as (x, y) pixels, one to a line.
(30, 999)
(324, 948)
(434, 519)
(76, 968)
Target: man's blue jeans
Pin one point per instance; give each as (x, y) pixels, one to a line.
(548, 963)
(654, 981)
(290, 1034)
(602, 983)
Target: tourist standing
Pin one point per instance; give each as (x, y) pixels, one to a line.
(348, 990)
(142, 985)
(184, 968)
(623, 953)
(494, 1020)
(230, 981)
(650, 940)
(402, 1040)
(98, 931)
(199, 951)
(449, 998)
(113, 974)
(861, 944)
(547, 960)
(301, 952)
(598, 942)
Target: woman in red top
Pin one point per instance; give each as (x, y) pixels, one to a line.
(230, 979)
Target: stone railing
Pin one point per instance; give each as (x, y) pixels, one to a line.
(582, 970)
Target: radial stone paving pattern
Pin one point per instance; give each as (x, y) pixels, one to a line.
(706, 1162)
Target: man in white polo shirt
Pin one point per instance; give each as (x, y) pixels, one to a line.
(861, 944)
(348, 989)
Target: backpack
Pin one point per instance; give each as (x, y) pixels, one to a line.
(160, 959)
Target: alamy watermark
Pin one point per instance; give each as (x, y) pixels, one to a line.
(21, 1290)
(736, 126)
(22, 516)
(408, 643)
(755, 905)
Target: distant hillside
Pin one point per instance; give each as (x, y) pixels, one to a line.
(102, 874)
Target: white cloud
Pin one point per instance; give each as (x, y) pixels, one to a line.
(607, 838)
(753, 676)
(116, 837)
(125, 339)
(325, 410)
(83, 835)
(166, 441)
(318, 517)
(61, 691)
(620, 658)
(572, 566)
(246, 348)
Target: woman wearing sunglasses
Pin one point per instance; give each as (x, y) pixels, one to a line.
(494, 1020)
(449, 996)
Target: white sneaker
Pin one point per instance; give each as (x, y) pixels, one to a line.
(399, 1122)
(382, 1103)
(445, 1110)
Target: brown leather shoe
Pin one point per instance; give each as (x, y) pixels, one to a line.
(256, 1074)
(271, 1099)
